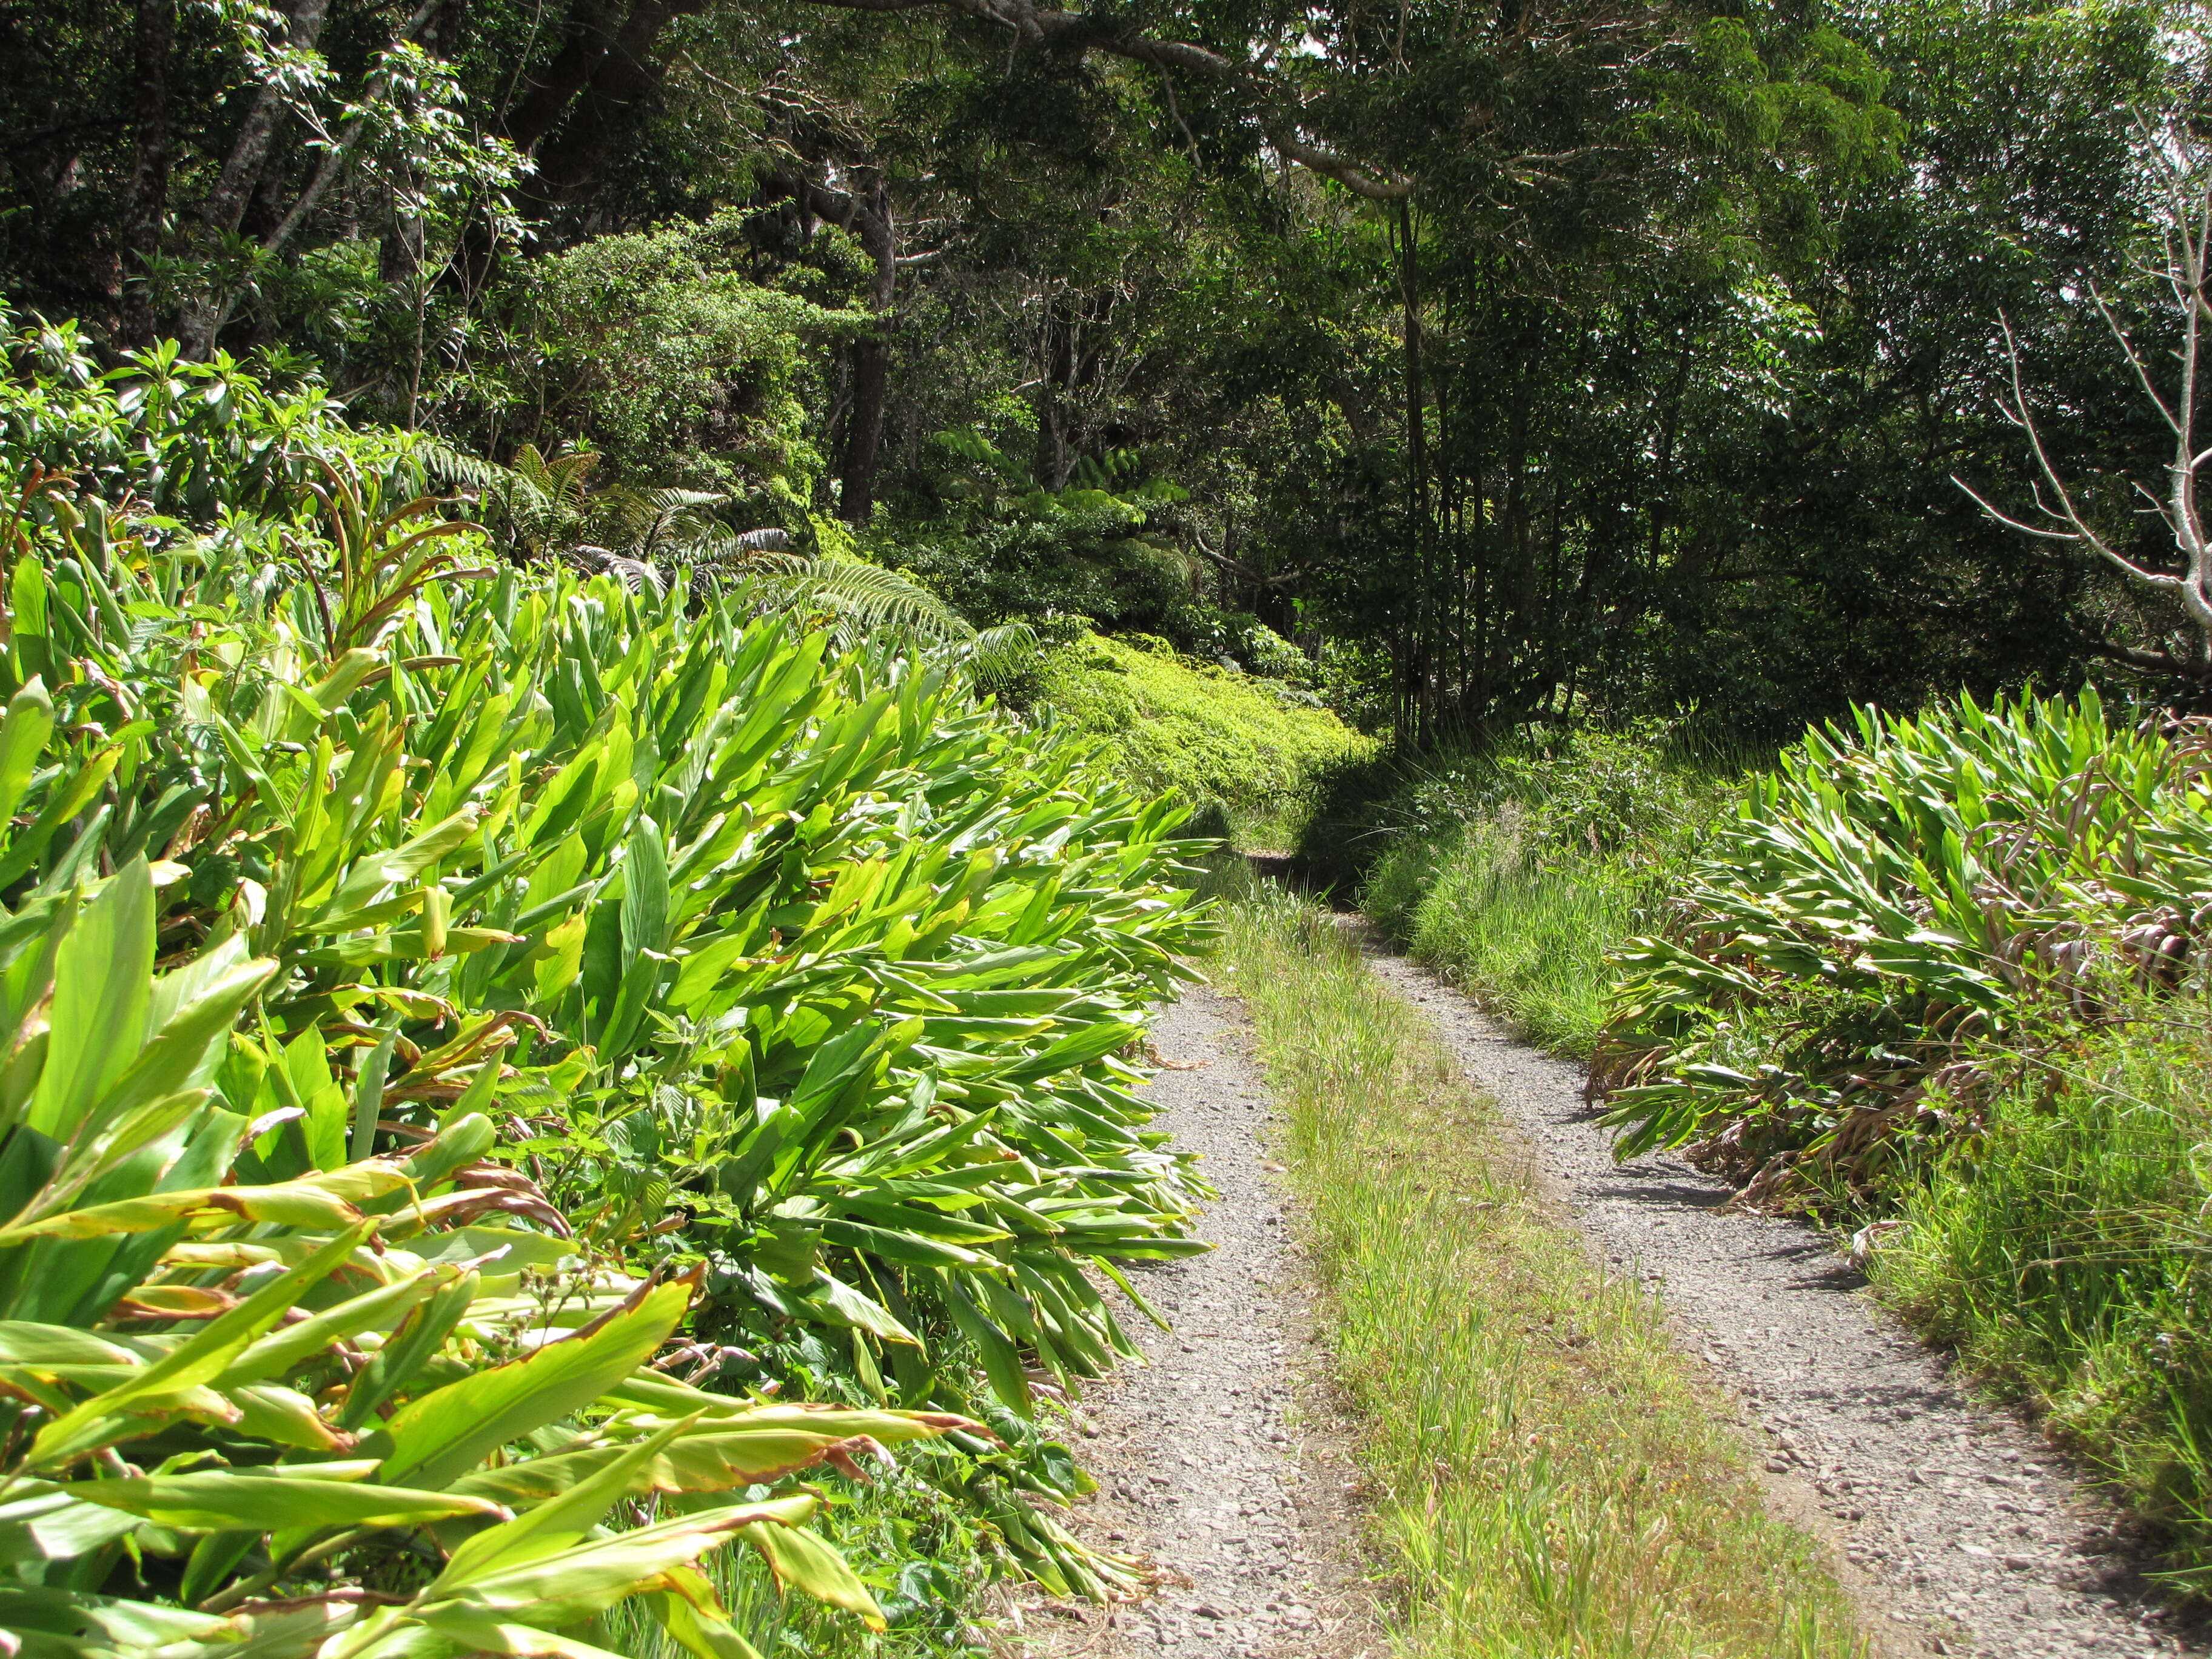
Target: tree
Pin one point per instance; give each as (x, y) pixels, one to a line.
(2085, 515)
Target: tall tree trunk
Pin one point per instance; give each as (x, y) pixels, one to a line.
(249, 151)
(243, 170)
(872, 364)
(147, 203)
(1417, 474)
(1055, 381)
(625, 73)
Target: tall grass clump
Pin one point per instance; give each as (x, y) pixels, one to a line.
(513, 1080)
(2061, 1248)
(1551, 1477)
(1515, 872)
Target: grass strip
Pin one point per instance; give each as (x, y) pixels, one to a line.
(1556, 1479)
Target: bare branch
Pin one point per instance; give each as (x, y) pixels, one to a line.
(2008, 521)
(1353, 177)
(2135, 358)
(2186, 235)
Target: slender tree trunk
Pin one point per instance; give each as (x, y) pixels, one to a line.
(1055, 383)
(872, 364)
(1417, 474)
(243, 171)
(147, 203)
(249, 151)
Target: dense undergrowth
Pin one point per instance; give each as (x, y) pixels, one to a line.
(1549, 1476)
(1246, 751)
(1515, 870)
(666, 1043)
(1938, 979)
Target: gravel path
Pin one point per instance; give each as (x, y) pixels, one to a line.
(1216, 1460)
(1961, 1532)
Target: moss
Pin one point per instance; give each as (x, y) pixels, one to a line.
(1247, 747)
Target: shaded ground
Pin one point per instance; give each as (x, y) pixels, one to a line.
(1961, 1531)
(1216, 1460)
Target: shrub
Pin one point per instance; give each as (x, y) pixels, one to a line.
(732, 985)
(1882, 901)
(1209, 735)
(655, 350)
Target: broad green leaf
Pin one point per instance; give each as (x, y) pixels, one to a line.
(191, 1364)
(563, 1588)
(28, 723)
(704, 1461)
(101, 993)
(440, 1435)
(802, 1561)
(556, 1524)
(215, 1500)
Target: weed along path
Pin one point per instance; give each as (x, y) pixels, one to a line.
(1960, 1532)
(1213, 1462)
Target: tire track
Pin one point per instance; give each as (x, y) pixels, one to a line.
(1217, 1460)
(1959, 1529)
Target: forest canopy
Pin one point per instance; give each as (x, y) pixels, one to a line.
(1516, 363)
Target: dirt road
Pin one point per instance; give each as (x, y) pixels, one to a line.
(1217, 1461)
(1960, 1531)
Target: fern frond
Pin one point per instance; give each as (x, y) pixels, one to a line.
(444, 466)
(732, 546)
(996, 657)
(1001, 655)
(867, 594)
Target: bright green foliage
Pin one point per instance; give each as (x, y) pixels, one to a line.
(1526, 936)
(194, 441)
(1214, 737)
(185, 1358)
(1517, 870)
(793, 976)
(1887, 894)
(2062, 1251)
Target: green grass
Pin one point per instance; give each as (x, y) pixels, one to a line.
(1555, 1480)
(2063, 1251)
(1238, 744)
(1515, 869)
(1530, 939)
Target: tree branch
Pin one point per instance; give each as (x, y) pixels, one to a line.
(1081, 32)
